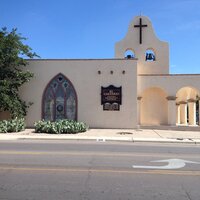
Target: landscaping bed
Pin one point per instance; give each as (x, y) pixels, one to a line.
(60, 126)
(42, 126)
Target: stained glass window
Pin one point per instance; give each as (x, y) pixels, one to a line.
(59, 100)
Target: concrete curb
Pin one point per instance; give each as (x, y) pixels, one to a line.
(98, 139)
(114, 135)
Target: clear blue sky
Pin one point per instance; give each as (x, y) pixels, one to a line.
(90, 28)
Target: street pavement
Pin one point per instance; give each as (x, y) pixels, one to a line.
(88, 170)
(125, 135)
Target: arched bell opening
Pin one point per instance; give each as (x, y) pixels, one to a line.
(129, 54)
(150, 55)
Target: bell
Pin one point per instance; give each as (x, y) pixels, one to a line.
(147, 55)
(150, 56)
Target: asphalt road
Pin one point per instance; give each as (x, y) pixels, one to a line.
(77, 170)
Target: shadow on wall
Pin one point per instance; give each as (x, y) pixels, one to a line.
(154, 107)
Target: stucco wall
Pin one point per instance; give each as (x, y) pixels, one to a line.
(87, 82)
(171, 84)
(154, 107)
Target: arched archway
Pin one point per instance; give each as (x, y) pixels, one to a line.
(186, 93)
(154, 107)
(187, 106)
(59, 99)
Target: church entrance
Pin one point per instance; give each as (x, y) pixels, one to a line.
(59, 100)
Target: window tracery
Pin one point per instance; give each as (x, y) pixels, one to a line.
(59, 100)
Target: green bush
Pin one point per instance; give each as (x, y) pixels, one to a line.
(60, 126)
(14, 125)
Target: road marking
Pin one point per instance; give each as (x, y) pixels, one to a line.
(83, 170)
(100, 139)
(105, 154)
(172, 164)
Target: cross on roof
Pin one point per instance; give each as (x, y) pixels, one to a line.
(140, 26)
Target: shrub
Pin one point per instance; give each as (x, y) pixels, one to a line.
(60, 126)
(14, 125)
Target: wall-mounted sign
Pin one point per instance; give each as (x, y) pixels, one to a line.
(111, 97)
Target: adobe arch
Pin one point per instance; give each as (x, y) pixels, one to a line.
(187, 103)
(154, 107)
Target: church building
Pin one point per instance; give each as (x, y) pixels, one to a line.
(131, 90)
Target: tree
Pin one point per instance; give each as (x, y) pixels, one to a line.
(13, 55)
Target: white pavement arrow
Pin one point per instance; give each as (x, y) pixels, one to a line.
(172, 164)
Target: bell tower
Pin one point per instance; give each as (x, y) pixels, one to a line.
(152, 54)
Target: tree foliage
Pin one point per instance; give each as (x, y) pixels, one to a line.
(13, 55)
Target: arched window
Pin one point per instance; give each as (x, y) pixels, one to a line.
(150, 55)
(59, 100)
(129, 54)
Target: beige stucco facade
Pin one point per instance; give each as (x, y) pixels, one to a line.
(149, 41)
(87, 77)
(149, 94)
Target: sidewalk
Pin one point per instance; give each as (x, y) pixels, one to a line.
(131, 135)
